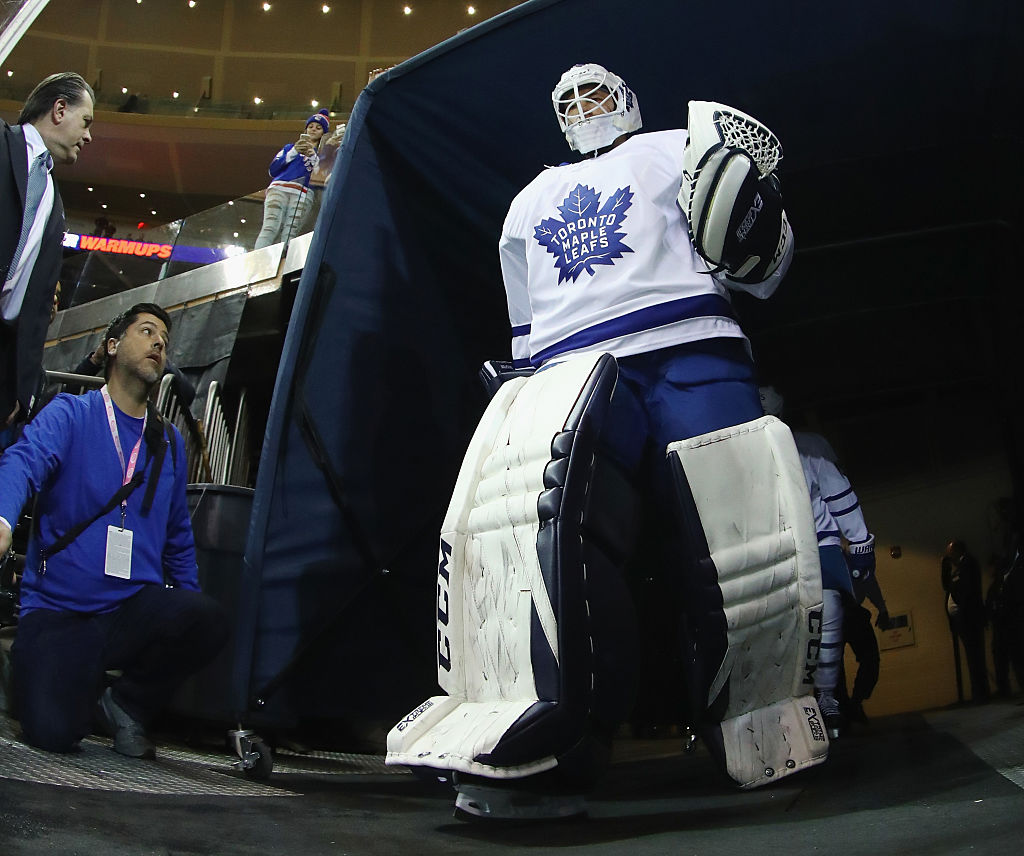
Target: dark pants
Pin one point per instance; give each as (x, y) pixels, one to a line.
(860, 636)
(1007, 651)
(970, 631)
(157, 638)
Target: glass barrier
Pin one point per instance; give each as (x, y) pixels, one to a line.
(96, 266)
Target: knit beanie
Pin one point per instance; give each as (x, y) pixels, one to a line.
(320, 117)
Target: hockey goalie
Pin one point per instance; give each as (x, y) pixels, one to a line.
(631, 385)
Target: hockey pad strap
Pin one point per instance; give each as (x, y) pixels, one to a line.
(494, 373)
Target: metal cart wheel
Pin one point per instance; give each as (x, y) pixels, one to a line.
(255, 758)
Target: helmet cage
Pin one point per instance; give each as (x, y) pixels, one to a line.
(603, 108)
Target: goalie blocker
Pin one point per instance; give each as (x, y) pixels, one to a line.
(732, 196)
(535, 631)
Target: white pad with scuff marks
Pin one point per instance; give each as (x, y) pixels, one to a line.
(754, 509)
(490, 583)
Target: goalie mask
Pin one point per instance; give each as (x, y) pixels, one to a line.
(594, 107)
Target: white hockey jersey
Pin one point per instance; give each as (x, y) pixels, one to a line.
(596, 255)
(837, 510)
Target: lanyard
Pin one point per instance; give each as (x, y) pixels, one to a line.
(128, 470)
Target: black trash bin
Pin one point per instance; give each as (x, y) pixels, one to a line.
(220, 523)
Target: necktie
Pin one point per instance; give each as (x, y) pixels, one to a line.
(33, 195)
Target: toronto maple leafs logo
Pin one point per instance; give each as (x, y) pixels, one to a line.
(588, 234)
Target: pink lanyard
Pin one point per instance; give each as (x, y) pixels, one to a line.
(129, 470)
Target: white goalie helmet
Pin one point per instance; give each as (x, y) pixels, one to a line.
(594, 107)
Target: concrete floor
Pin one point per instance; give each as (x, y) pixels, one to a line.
(944, 782)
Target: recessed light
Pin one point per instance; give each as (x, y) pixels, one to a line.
(257, 100)
(175, 94)
(314, 103)
(266, 7)
(407, 10)
(142, 196)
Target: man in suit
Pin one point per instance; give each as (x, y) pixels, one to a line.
(53, 128)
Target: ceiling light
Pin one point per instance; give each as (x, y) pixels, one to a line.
(174, 94)
(266, 7)
(104, 205)
(407, 10)
(471, 10)
(234, 234)
(191, 4)
(314, 103)
(153, 213)
(257, 100)
(10, 73)
(231, 202)
(90, 190)
(142, 196)
(242, 220)
(325, 8)
(124, 90)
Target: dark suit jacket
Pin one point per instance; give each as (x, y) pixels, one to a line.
(21, 344)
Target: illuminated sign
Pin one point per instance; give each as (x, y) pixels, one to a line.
(149, 250)
(116, 245)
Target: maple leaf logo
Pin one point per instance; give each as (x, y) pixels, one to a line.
(588, 234)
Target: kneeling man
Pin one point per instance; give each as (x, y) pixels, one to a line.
(110, 577)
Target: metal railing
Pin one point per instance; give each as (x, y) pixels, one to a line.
(215, 453)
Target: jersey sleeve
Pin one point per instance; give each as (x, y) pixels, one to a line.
(512, 253)
(282, 159)
(842, 502)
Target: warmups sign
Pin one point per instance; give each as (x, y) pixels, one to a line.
(145, 249)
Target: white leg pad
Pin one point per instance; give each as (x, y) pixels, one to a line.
(750, 496)
(514, 599)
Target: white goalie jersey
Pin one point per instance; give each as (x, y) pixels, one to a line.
(596, 256)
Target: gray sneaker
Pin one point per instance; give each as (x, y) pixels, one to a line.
(129, 736)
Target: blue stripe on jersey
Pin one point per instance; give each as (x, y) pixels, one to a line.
(522, 363)
(831, 533)
(648, 318)
(853, 507)
(831, 499)
(521, 330)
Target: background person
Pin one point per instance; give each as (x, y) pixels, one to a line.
(965, 607)
(288, 197)
(54, 127)
(108, 584)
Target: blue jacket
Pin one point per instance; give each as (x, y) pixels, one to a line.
(67, 454)
(289, 165)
